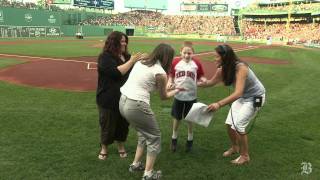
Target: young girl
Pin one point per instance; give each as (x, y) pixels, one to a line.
(185, 72)
(247, 87)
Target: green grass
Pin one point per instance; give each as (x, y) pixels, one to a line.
(5, 62)
(48, 47)
(51, 134)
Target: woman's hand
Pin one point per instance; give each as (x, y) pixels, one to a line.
(213, 107)
(177, 90)
(137, 57)
(170, 86)
(180, 89)
(202, 83)
(144, 55)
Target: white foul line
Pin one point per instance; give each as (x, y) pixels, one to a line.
(44, 58)
(88, 63)
(235, 50)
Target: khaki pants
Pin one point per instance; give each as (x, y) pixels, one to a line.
(141, 117)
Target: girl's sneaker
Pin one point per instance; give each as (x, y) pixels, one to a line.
(174, 143)
(138, 167)
(154, 176)
(189, 146)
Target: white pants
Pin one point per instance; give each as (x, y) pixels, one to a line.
(242, 112)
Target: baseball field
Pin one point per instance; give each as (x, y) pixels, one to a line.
(49, 120)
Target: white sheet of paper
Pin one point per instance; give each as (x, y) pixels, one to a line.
(199, 115)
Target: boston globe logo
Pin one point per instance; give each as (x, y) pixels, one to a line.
(51, 19)
(28, 17)
(52, 30)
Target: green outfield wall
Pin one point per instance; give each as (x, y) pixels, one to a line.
(18, 22)
(29, 17)
(71, 30)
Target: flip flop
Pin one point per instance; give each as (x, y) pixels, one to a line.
(123, 154)
(103, 156)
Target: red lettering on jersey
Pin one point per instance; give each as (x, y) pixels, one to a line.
(191, 75)
(180, 74)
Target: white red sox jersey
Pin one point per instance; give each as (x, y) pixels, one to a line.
(185, 75)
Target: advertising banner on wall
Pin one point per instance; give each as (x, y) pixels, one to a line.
(24, 31)
(61, 1)
(218, 8)
(188, 7)
(104, 4)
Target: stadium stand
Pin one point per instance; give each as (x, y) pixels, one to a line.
(173, 24)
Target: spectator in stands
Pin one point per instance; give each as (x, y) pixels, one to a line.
(114, 64)
(156, 22)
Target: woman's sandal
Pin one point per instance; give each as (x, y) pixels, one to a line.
(103, 156)
(123, 154)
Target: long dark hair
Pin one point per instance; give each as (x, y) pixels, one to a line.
(113, 45)
(229, 62)
(164, 53)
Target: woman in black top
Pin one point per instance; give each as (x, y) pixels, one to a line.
(114, 65)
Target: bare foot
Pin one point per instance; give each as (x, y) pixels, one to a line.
(229, 152)
(122, 151)
(241, 160)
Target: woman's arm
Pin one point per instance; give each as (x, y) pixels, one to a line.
(170, 83)
(216, 78)
(161, 80)
(201, 81)
(124, 68)
(241, 75)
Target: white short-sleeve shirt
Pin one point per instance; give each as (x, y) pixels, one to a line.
(185, 75)
(142, 81)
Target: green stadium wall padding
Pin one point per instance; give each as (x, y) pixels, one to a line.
(71, 30)
(29, 17)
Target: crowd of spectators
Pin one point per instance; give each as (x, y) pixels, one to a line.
(156, 22)
(285, 7)
(16, 4)
(174, 24)
(300, 31)
(204, 1)
(28, 5)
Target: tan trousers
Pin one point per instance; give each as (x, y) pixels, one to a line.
(141, 118)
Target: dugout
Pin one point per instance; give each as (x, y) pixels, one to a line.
(130, 32)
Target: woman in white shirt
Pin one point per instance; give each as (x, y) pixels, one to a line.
(147, 75)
